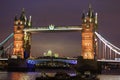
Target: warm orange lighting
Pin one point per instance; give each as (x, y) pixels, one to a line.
(18, 49)
(88, 39)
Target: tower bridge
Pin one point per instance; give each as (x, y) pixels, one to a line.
(23, 31)
(94, 46)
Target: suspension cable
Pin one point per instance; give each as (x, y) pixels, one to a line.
(108, 44)
(4, 41)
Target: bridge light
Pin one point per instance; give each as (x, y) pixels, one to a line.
(95, 39)
(90, 20)
(16, 22)
(30, 61)
(25, 32)
(51, 27)
(29, 24)
(21, 22)
(85, 21)
(96, 14)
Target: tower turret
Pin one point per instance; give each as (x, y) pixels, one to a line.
(15, 19)
(96, 16)
(83, 18)
(22, 16)
(30, 21)
(90, 11)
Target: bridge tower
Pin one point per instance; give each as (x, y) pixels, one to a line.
(21, 39)
(27, 39)
(89, 24)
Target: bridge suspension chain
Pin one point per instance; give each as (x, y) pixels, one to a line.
(109, 45)
(4, 41)
(5, 47)
(10, 45)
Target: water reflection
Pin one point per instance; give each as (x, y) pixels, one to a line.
(4, 76)
(19, 76)
(109, 77)
(25, 75)
(33, 75)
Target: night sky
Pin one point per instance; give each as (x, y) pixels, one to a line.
(61, 12)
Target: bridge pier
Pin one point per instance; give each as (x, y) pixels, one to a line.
(19, 65)
(84, 65)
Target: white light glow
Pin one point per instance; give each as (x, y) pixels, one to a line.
(108, 44)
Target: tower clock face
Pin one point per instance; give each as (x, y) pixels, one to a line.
(88, 26)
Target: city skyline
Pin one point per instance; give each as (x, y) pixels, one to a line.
(59, 13)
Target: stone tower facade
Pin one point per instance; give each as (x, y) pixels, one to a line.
(22, 40)
(89, 24)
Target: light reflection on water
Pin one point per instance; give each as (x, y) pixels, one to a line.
(109, 77)
(18, 75)
(33, 75)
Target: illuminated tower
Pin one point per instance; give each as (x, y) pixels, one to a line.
(21, 38)
(18, 49)
(27, 39)
(89, 24)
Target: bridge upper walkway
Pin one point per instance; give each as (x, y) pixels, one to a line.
(53, 28)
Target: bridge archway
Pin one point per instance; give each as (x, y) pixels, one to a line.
(23, 29)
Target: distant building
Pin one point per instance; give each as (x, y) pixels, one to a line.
(50, 53)
(56, 55)
(44, 54)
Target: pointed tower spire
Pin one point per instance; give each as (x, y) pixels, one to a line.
(15, 19)
(25, 20)
(83, 15)
(30, 21)
(90, 12)
(90, 6)
(23, 12)
(22, 17)
(96, 16)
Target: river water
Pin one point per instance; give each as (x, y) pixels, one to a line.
(32, 75)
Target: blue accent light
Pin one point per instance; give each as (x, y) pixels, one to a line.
(30, 61)
(33, 62)
(73, 62)
(30, 64)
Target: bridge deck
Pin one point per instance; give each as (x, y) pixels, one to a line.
(109, 61)
(3, 59)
